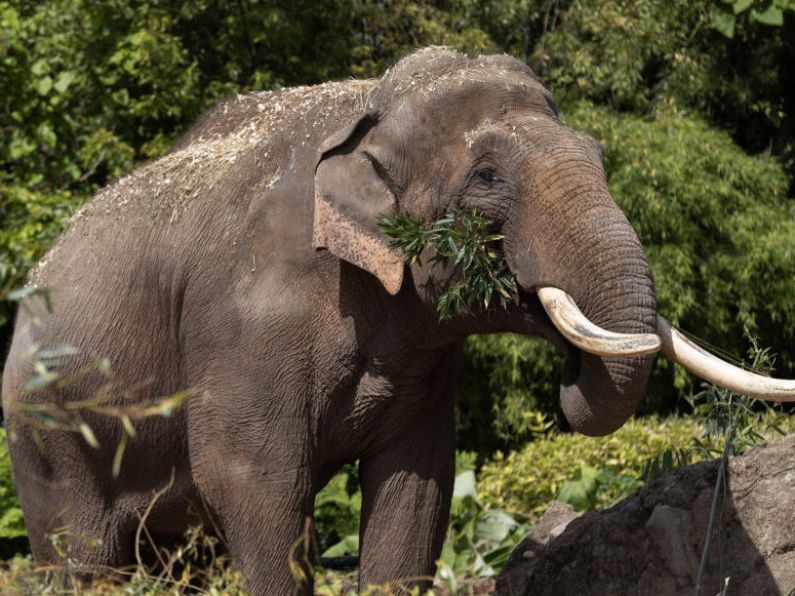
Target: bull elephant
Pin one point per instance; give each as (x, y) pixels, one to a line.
(247, 266)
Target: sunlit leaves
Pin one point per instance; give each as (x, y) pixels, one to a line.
(479, 541)
(29, 222)
(337, 509)
(728, 14)
(523, 482)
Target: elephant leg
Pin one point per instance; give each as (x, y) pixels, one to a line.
(43, 506)
(91, 542)
(98, 547)
(265, 514)
(406, 493)
(69, 522)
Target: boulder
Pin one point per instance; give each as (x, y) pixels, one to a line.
(652, 542)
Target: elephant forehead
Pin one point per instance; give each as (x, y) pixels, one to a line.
(444, 88)
(516, 133)
(488, 129)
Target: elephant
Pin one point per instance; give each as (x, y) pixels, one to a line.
(246, 267)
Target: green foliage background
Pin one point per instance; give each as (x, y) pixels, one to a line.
(12, 525)
(692, 101)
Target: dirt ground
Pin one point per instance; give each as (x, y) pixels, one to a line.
(652, 542)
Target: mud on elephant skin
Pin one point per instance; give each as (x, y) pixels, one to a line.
(247, 267)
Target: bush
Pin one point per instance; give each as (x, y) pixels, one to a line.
(88, 88)
(337, 509)
(478, 542)
(505, 382)
(29, 223)
(524, 481)
(13, 536)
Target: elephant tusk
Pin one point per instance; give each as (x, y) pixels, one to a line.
(587, 336)
(712, 369)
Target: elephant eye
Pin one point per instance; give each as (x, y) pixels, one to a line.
(488, 176)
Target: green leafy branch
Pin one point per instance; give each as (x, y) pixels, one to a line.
(464, 238)
(727, 14)
(733, 417)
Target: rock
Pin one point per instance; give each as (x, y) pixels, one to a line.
(551, 525)
(669, 530)
(651, 542)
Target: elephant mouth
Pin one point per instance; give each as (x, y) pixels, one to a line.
(572, 329)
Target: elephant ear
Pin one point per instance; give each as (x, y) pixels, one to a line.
(349, 196)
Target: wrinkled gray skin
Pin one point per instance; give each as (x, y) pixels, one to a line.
(247, 266)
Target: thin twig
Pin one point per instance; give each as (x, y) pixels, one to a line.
(146, 513)
(157, 551)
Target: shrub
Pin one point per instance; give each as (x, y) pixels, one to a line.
(12, 526)
(505, 382)
(523, 482)
(29, 222)
(337, 509)
(479, 542)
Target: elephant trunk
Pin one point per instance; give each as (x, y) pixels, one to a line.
(599, 393)
(574, 237)
(616, 292)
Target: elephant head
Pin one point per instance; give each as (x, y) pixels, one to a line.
(443, 132)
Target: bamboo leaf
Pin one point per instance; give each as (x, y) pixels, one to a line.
(128, 425)
(119, 455)
(43, 380)
(88, 435)
(461, 236)
(166, 406)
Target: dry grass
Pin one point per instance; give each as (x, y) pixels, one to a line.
(216, 576)
(198, 566)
